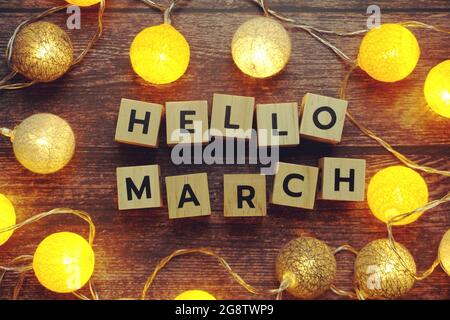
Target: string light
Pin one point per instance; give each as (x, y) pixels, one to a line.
(42, 52)
(7, 218)
(261, 47)
(379, 272)
(394, 191)
(437, 89)
(160, 54)
(64, 262)
(444, 252)
(83, 3)
(308, 266)
(43, 143)
(195, 295)
(389, 53)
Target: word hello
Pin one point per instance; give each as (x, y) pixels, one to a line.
(187, 123)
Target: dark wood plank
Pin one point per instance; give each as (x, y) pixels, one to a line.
(130, 243)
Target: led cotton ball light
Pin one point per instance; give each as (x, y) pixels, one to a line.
(83, 3)
(444, 252)
(195, 295)
(380, 273)
(64, 262)
(394, 191)
(160, 54)
(42, 51)
(389, 53)
(7, 218)
(261, 47)
(437, 89)
(308, 265)
(43, 143)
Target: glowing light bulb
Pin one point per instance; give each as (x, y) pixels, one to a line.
(379, 272)
(43, 143)
(83, 3)
(444, 252)
(195, 295)
(42, 51)
(437, 89)
(261, 47)
(160, 54)
(7, 218)
(64, 262)
(394, 191)
(309, 266)
(389, 53)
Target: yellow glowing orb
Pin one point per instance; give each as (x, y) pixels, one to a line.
(195, 295)
(394, 191)
(389, 53)
(43, 143)
(437, 89)
(160, 54)
(7, 218)
(64, 262)
(261, 47)
(83, 3)
(444, 252)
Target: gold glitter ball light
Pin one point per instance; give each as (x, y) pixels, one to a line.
(42, 52)
(389, 53)
(43, 143)
(308, 265)
(379, 273)
(261, 47)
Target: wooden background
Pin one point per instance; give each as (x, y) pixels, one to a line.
(130, 243)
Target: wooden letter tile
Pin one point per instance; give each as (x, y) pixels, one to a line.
(342, 179)
(322, 118)
(278, 124)
(138, 123)
(295, 185)
(232, 116)
(188, 196)
(244, 195)
(187, 122)
(138, 187)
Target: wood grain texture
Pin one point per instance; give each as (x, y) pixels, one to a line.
(129, 244)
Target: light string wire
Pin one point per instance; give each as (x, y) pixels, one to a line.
(4, 85)
(334, 288)
(22, 264)
(205, 251)
(313, 31)
(166, 11)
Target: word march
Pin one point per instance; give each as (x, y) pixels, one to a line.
(318, 118)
